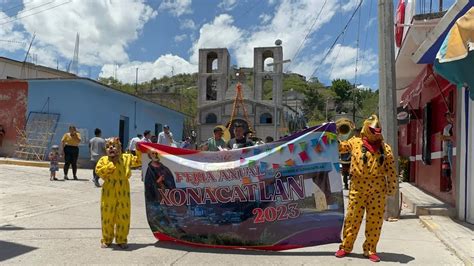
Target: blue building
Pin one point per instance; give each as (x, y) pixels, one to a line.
(88, 104)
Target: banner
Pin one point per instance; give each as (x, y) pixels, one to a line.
(281, 195)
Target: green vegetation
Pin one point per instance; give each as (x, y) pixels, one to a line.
(320, 102)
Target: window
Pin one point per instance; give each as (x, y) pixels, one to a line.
(211, 89)
(158, 128)
(211, 118)
(267, 58)
(212, 62)
(266, 118)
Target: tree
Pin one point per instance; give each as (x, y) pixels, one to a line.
(342, 88)
(313, 103)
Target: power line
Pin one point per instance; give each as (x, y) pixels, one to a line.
(337, 38)
(367, 30)
(13, 41)
(357, 49)
(307, 35)
(17, 18)
(29, 9)
(13, 7)
(337, 55)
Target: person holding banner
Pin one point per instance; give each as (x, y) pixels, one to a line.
(215, 143)
(240, 139)
(373, 177)
(115, 170)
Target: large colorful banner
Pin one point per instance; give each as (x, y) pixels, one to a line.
(276, 196)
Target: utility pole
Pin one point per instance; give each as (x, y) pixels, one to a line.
(387, 96)
(136, 81)
(354, 102)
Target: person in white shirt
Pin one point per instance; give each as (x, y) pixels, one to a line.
(166, 137)
(146, 136)
(132, 147)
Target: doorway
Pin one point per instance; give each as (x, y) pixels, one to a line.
(123, 131)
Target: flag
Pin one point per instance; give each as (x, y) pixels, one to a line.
(291, 147)
(304, 156)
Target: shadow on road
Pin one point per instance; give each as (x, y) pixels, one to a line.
(385, 256)
(10, 250)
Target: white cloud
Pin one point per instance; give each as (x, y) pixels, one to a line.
(228, 5)
(342, 62)
(187, 24)
(291, 22)
(180, 38)
(11, 40)
(265, 18)
(105, 28)
(349, 5)
(219, 33)
(163, 66)
(370, 23)
(177, 7)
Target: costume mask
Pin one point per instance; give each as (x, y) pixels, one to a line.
(113, 147)
(371, 130)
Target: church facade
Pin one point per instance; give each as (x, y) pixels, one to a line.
(261, 90)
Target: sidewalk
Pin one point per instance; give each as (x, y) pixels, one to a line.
(44, 222)
(435, 215)
(13, 161)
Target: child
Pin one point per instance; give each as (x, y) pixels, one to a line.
(53, 162)
(115, 170)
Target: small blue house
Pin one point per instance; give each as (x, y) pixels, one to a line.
(88, 104)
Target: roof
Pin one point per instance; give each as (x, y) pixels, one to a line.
(39, 67)
(427, 51)
(111, 88)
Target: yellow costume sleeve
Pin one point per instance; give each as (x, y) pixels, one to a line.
(105, 168)
(136, 160)
(391, 172)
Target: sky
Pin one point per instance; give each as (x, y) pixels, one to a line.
(163, 37)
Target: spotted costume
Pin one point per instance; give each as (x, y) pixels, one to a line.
(373, 177)
(115, 198)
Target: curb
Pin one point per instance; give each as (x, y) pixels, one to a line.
(451, 242)
(421, 209)
(43, 164)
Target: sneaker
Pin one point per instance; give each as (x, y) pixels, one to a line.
(66, 178)
(75, 177)
(55, 179)
(104, 245)
(341, 253)
(373, 257)
(96, 183)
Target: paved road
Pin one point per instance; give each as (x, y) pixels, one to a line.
(43, 222)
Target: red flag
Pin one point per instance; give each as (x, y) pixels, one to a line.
(304, 156)
(291, 147)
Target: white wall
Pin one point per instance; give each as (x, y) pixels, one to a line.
(465, 191)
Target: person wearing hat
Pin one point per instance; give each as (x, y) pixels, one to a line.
(166, 137)
(215, 142)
